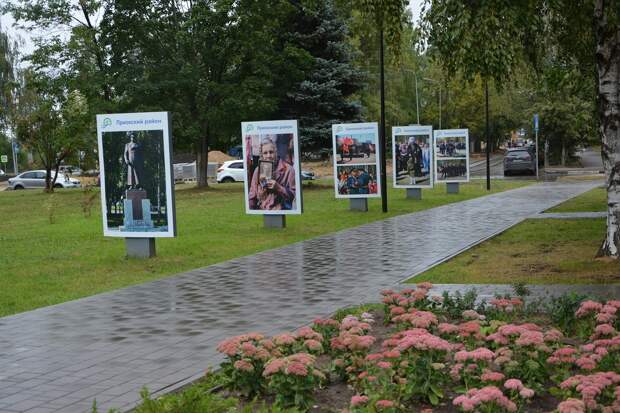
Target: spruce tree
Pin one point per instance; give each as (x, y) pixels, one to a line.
(325, 93)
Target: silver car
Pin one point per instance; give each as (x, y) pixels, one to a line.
(36, 179)
(519, 160)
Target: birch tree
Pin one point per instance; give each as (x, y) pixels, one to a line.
(585, 31)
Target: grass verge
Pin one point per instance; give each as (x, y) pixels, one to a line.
(594, 200)
(53, 249)
(539, 251)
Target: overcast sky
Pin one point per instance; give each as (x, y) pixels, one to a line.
(7, 25)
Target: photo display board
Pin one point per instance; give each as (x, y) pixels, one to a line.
(137, 187)
(272, 168)
(412, 156)
(451, 155)
(356, 160)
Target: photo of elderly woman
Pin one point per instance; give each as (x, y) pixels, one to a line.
(271, 172)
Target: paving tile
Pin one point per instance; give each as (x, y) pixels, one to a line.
(164, 332)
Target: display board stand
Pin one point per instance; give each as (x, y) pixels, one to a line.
(453, 187)
(274, 221)
(414, 193)
(358, 204)
(140, 247)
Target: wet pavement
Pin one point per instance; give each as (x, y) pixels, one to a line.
(163, 334)
(537, 293)
(570, 215)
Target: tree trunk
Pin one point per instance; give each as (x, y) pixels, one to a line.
(202, 160)
(563, 160)
(478, 145)
(608, 67)
(49, 185)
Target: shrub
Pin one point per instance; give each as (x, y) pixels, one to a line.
(245, 359)
(562, 311)
(293, 380)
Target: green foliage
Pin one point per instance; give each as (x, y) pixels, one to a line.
(562, 311)
(323, 95)
(455, 304)
(294, 391)
(520, 289)
(480, 38)
(9, 78)
(52, 121)
(387, 15)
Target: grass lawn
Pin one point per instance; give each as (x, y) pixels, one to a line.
(52, 252)
(538, 251)
(594, 200)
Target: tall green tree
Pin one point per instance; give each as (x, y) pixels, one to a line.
(211, 63)
(52, 123)
(67, 44)
(9, 89)
(324, 95)
(495, 33)
(9, 78)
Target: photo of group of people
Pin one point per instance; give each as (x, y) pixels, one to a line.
(272, 167)
(136, 176)
(352, 147)
(412, 157)
(357, 180)
(356, 146)
(449, 169)
(452, 155)
(451, 147)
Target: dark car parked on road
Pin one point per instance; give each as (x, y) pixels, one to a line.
(519, 160)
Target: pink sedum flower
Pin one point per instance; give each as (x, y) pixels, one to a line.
(358, 400)
(296, 369)
(492, 376)
(572, 406)
(244, 365)
(513, 384)
(384, 404)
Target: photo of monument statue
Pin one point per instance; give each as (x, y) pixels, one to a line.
(135, 181)
(134, 159)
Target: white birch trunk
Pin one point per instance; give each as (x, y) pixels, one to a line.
(608, 67)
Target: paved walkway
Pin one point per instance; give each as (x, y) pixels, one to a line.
(569, 215)
(537, 292)
(163, 334)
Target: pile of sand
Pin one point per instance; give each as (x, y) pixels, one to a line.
(219, 157)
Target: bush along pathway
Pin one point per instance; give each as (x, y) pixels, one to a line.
(420, 352)
(163, 334)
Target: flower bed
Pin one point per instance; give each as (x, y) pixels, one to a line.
(417, 353)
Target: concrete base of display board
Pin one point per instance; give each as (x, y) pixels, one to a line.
(452, 187)
(274, 221)
(414, 193)
(140, 247)
(358, 204)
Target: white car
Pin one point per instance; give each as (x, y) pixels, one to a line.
(231, 171)
(36, 179)
(2, 172)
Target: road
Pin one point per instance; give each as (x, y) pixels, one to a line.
(591, 159)
(478, 168)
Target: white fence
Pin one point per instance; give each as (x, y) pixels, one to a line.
(187, 171)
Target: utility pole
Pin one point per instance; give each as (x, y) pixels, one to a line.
(382, 129)
(15, 170)
(536, 133)
(417, 99)
(438, 82)
(488, 148)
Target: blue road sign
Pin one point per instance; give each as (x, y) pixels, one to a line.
(536, 122)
